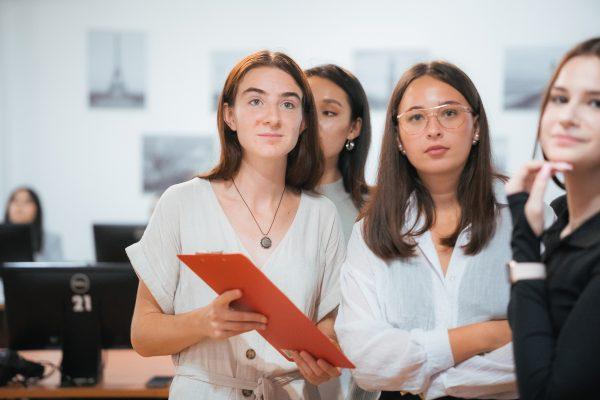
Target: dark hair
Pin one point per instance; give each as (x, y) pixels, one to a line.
(37, 224)
(385, 214)
(305, 161)
(351, 163)
(590, 47)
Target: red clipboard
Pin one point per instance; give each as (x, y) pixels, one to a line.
(288, 328)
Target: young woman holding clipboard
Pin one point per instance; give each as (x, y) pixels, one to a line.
(257, 201)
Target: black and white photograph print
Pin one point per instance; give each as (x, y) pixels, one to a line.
(379, 70)
(117, 69)
(527, 70)
(174, 158)
(221, 62)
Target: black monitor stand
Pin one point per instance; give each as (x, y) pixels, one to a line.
(82, 363)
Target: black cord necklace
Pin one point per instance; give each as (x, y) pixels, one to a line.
(265, 242)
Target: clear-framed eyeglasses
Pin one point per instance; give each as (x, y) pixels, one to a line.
(450, 116)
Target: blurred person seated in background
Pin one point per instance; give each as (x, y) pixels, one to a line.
(24, 207)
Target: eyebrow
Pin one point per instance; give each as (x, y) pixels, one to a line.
(260, 91)
(291, 94)
(332, 101)
(588, 92)
(440, 104)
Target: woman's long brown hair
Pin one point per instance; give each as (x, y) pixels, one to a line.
(385, 227)
(305, 162)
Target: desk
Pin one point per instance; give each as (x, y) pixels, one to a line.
(125, 376)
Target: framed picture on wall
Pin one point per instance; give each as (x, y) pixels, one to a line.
(379, 71)
(527, 71)
(117, 69)
(174, 158)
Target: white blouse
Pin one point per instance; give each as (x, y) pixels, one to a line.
(394, 318)
(343, 387)
(305, 266)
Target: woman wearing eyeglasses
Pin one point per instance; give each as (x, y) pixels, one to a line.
(424, 284)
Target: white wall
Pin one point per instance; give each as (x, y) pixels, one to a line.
(3, 106)
(86, 162)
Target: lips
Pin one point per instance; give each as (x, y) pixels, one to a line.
(566, 139)
(270, 135)
(436, 149)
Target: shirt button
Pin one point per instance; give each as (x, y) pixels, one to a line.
(250, 354)
(247, 392)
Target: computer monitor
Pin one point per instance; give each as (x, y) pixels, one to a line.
(16, 243)
(111, 241)
(78, 308)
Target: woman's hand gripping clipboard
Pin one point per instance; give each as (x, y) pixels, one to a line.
(288, 328)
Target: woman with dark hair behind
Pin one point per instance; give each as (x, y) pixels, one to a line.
(424, 284)
(555, 299)
(24, 207)
(258, 201)
(345, 134)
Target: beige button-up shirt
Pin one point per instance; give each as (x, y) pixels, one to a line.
(305, 266)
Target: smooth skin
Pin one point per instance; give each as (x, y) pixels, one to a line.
(22, 208)
(336, 125)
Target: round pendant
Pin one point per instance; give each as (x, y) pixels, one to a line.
(265, 242)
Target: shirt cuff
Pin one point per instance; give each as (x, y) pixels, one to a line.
(437, 347)
(143, 269)
(329, 303)
(437, 388)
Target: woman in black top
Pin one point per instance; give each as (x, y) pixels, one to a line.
(556, 320)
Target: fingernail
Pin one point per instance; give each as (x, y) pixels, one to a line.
(565, 165)
(546, 168)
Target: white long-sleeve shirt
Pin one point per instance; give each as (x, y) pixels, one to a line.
(394, 317)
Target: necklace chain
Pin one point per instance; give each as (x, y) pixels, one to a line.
(252, 214)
